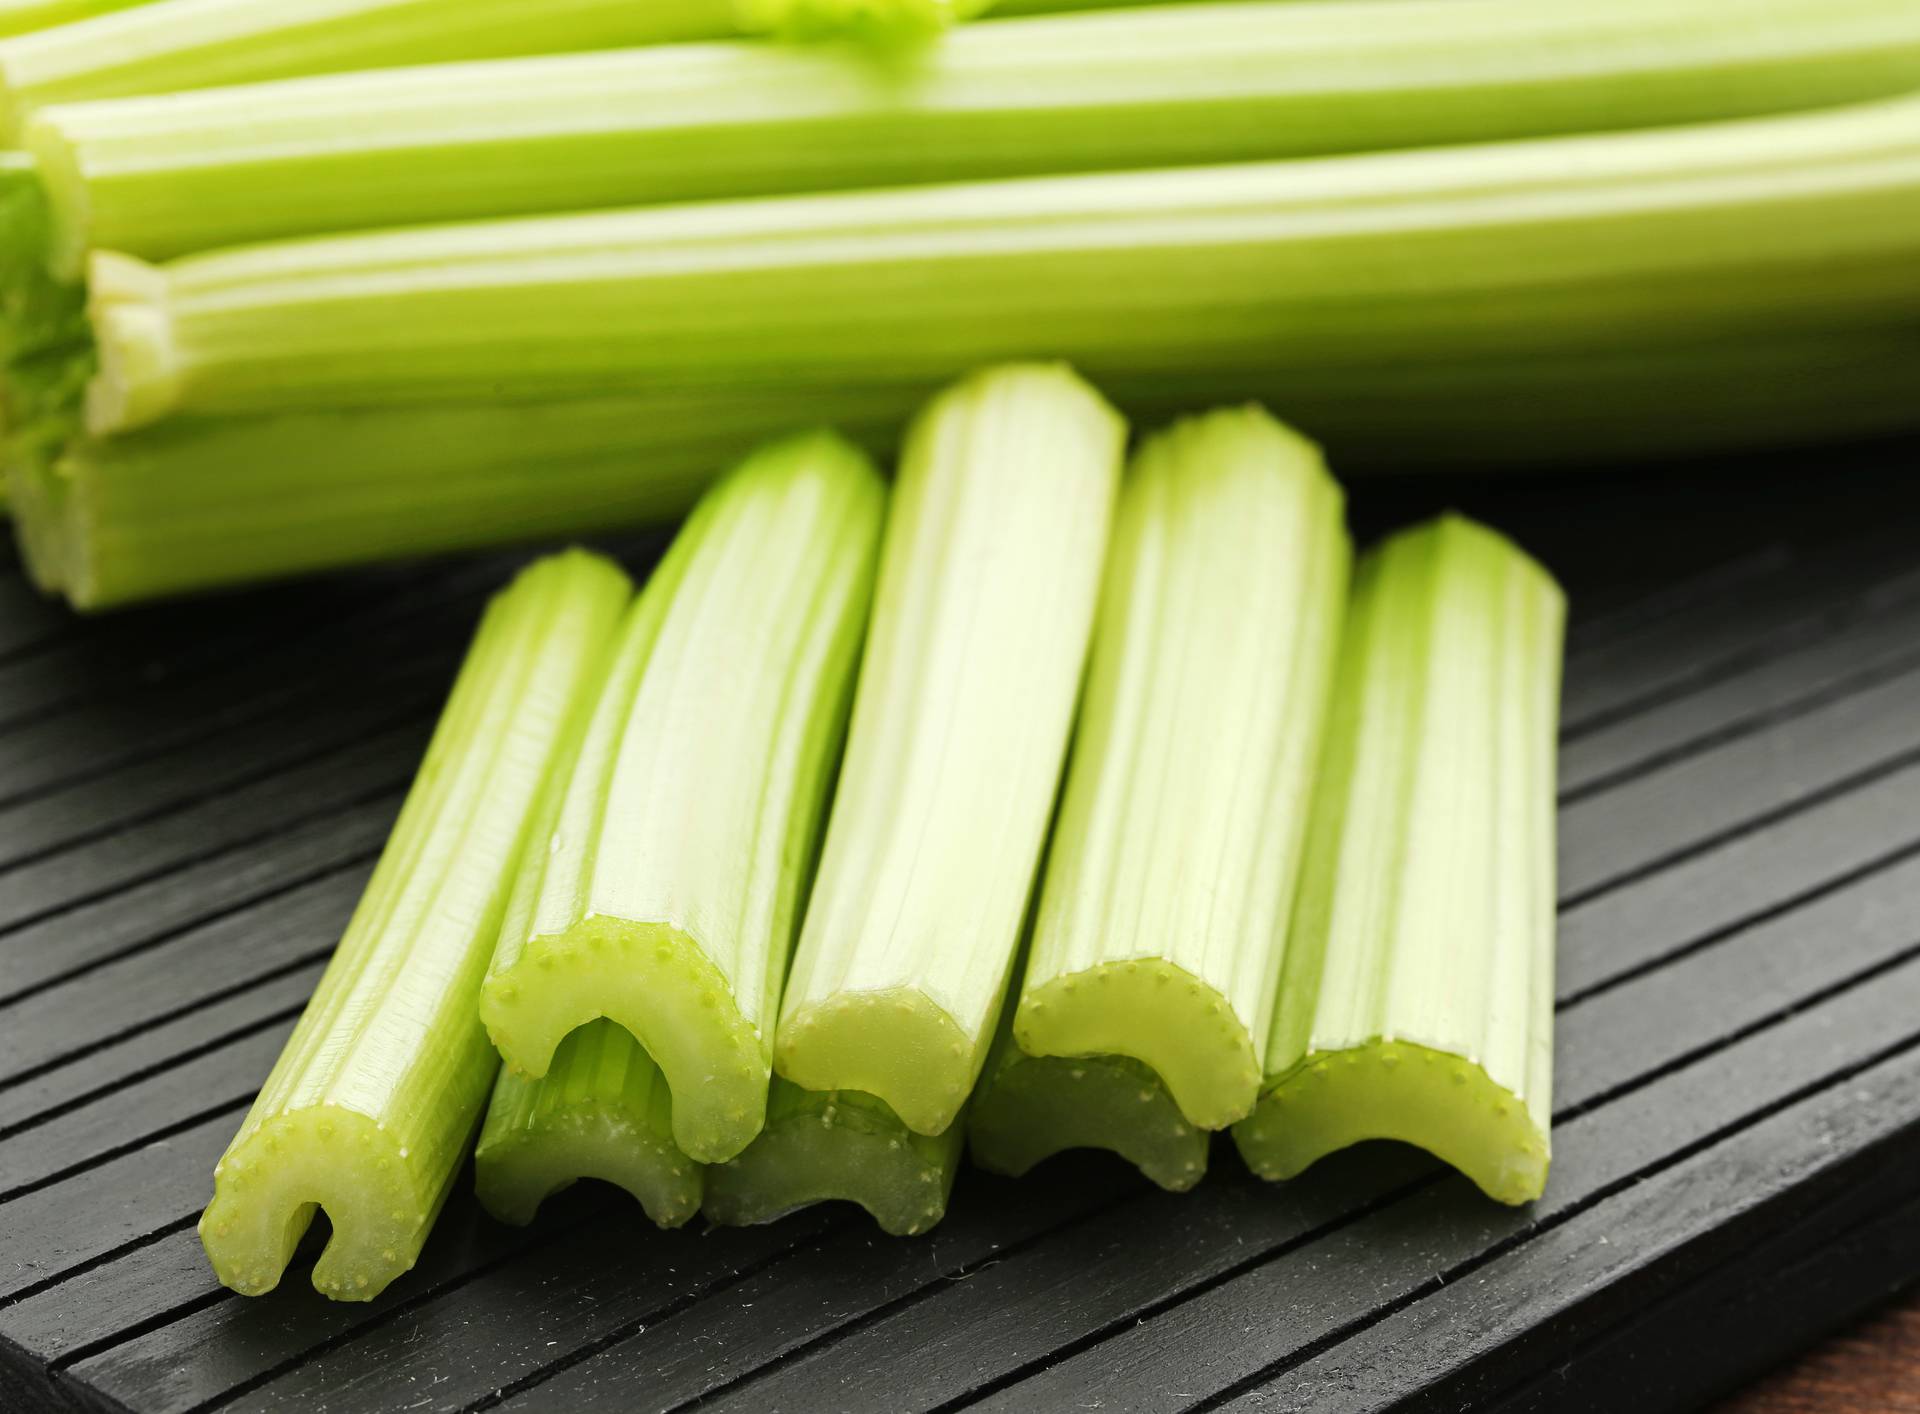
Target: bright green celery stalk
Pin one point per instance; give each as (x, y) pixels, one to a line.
(664, 891)
(986, 598)
(26, 16)
(1028, 1108)
(1163, 914)
(196, 503)
(370, 1108)
(173, 45)
(603, 1111)
(1417, 997)
(166, 176)
(838, 1144)
(1210, 277)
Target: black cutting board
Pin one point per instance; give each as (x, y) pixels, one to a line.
(191, 797)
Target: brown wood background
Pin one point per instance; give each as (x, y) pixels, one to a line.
(1871, 1369)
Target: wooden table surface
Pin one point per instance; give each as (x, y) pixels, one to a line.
(1873, 1368)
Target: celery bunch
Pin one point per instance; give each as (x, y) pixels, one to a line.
(170, 175)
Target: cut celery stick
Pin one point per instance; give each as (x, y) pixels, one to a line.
(980, 626)
(25, 16)
(1417, 998)
(603, 1111)
(186, 44)
(1028, 1108)
(160, 177)
(664, 887)
(370, 1108)
(197, 503)
(1163, 916)
(821, 1146)
(1781, 226)
(895, 23)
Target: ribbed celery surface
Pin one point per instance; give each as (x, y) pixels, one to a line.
(1028, 1108)
(1164, 913)
(371, 1106)
(663, 887)
(985, 602)
(822, 1146)
(173, 45)
(1417, 998)
(164, 176)
(602, 1111)
(1209, 277)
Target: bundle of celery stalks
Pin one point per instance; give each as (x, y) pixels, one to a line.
(1294, 878)
(290, 284)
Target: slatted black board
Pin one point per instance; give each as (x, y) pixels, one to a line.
(191, 797)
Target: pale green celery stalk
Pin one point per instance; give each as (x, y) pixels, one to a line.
(987, 589)
(201, 502)
(838, 1144)
(25, 16)
(664, 886)
(893, 24)
(603, 1111)
(204, 502)
(1417, 998)
(371, 1106)
(1163, 915)
(1776, 226)
(166, 176)
(173, 45)
(1028, 1108)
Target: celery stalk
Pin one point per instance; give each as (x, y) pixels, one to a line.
(369, 1110)
(664, 887)
(603, 1111)
(1163, 916)
(187, 44)
(196, 503)
(1417, 998)
(1778, 226)
(986, 598)
(160, 177)
(25, 16)
(822, 1146)
(1028, 1108)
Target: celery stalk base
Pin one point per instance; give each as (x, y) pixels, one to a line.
(1033, 1107)
(603, 1112)
(1388, 1089)
(1184, 1030)
(658, 984)
(820, 1146)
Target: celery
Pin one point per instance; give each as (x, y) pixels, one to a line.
(663, 890)
(186, 44)
(1163, 915)
(25, 16)
(980, 625)
(369, 1110)
(1028, 1108)
(822, 1146)
(196, 503)
(603, 1111)
(1161, 86)
(893, 22)
(1417, 998)
(1777, 226)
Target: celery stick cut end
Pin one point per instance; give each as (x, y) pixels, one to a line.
(658, 983)
(897, 1044)
(1442, 1103)
(1038, 1106)
(513, 1176)
(837, 1144)
(1161, 1015)
(272, 1181)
